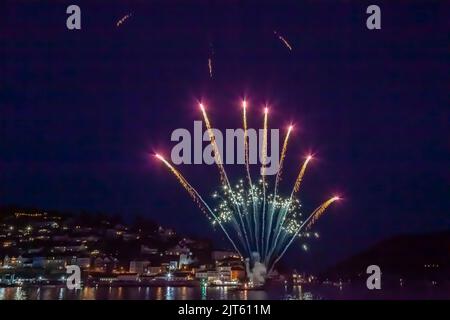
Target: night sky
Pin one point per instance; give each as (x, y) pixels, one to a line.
(82, 111)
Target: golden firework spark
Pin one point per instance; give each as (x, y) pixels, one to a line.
(212, 138)
(283, 155)
(244, 121)
(180, 178)
(319, 211)
(264, 144)
(123, 19)
(282, 39)
(197, 199)
(246, 151)
(299, 179)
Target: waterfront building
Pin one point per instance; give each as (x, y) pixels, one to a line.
(139, 266)
(223, 254)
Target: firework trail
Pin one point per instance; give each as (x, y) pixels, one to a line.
(282, 39)
(308, 223)
(247, 167)
(299, 179)
(210, 68)
(222, 171)
(210, 59)
(264, 144)
(191, 190)
(180, 178)
(264, 161)
(246, 152)
(277, 180)
(319, 211)
(283, 155)
(223, 174)
(282, 214)
(123, 19)
(197, 198)
(255, 238)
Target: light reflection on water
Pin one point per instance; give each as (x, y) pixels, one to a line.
(139, 293)
(298, 292)
(169, 293)
(61, 294)
(159, 295)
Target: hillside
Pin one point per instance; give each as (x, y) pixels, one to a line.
(424, 257)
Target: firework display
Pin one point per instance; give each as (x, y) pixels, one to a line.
(259, 223)
(224, 158)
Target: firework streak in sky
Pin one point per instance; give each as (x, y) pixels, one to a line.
(123, 19)
(260, 225)
(210, 68)
(282, 39)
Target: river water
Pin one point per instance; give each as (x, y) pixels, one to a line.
(304, 292)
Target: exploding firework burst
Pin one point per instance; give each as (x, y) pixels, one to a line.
(261, 225)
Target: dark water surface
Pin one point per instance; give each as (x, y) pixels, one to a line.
(305, 292)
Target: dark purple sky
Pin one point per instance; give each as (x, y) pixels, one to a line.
(80, 111)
